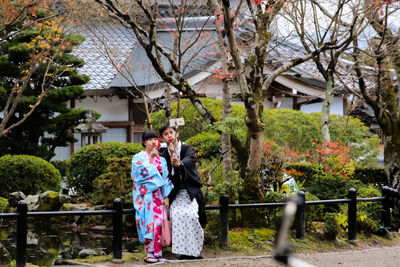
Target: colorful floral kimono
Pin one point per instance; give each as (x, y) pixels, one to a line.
(149, 179)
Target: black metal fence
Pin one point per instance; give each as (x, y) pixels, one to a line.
(388, 198)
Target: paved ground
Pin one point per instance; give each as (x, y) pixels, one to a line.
(374, 257)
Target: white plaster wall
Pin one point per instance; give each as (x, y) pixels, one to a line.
(62, 153)
(285, 102)
(114, 110)
(336, 108)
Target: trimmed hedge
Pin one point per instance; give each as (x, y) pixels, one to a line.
(90, 162)
(114, 183)
(28, 174)
(371, 175)
(206, 144)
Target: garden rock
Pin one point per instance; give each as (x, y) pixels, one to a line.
(84, 253)
(32, 202)
(49, 200)
(14, 197)
(32, 238)
(65, 198)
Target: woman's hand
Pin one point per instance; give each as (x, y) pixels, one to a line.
(153, 153)
(166, 202)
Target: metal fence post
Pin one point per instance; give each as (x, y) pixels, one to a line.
(352, 214)
(386, 216)
(300, 215)
(224, 226)
(117, 230)
(21, 233)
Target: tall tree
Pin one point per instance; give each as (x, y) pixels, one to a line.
(337, 22)
(39, 76)
(376, 84)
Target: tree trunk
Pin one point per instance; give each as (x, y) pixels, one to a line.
(251, 191)
(392, 159)
(326, 108)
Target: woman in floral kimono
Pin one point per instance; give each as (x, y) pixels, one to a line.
(151, 187)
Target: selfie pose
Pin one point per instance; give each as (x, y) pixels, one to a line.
(187, 207)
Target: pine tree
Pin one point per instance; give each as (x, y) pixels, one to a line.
(39, 74)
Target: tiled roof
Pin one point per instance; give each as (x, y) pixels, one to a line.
(103, 47)
(107, 48)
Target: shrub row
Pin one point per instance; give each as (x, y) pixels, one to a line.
(28, 174)
(89, 162)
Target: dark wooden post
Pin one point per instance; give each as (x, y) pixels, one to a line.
(386, 216)
(300, 215)
(21, 233)
(117, 230)
(352, 214)
(224, 226)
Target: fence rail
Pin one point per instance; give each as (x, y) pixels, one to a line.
(388, 198)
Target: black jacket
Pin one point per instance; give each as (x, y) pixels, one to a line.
(187, 176)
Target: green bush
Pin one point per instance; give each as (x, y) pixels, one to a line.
(331, 226)
(28, 174)
(90, 162)
(274, 215)
(313, 212)
(114, 183)
(206, 144)
(61, 166)
(365, 224)
(371, 175)
(323, 188)
(373, 210)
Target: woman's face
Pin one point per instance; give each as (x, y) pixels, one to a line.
(151, 143)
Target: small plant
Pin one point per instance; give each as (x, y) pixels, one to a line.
(331, 226)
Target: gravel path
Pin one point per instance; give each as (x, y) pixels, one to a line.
(374, 257)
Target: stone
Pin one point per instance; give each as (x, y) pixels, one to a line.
(33, 202)
(65, 198)
(84, 253)
(48, 201)
(14, 197)
(32, 238)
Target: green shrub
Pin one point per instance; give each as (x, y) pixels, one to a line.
(3, 205)
(371, 175)
(313, 212)
(28, 174)
(114, 183)
(365, 224)
(206, 144)
(211, 232)
(331, 226)
(274, 215)
(61, 166)
(90, 162)
(373, 210)
(323, 188)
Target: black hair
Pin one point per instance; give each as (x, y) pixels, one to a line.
(165, 127)
(148, 134)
